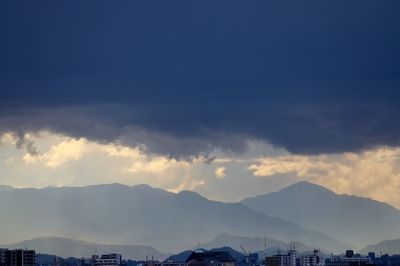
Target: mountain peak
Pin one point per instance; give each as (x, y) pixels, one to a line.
(142, 186)
(317, 208)
(299, 188)
(190, 194)
(306, 187)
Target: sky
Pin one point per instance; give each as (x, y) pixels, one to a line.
(229, 99)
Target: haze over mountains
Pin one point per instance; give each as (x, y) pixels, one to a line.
(354, 220)
(65, 248)
(387, 246)
(172, 222)
(141, 215)
(254, 244)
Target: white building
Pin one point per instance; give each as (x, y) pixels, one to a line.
(310, 260)
(106, 260)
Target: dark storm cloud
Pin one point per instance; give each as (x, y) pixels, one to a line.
(185, 76)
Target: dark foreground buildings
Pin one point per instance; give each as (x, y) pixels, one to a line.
(288, 259)
(351, 259)
(201, 257)
(17, 257)
(291, 259)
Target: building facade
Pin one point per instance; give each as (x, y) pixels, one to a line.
(288, 259)
(106, 260)
(213, 258)
(17, 257)
(348, 261)
(310, 260)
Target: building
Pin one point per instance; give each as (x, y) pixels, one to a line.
(213, 258)
(106, 260)
(17, 257)
(288, 259)
(3, 257)
(310, 260)
(173, 263)
(82, 262)
(178, 259)
(151, 262)
(350, 259)
(343, 261)
(253, 259)
(384, 260)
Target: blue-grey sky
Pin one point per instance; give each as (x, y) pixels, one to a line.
(184, 79)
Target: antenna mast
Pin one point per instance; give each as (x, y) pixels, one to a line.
(265, 244)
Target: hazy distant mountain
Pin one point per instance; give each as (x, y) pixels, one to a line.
(234, 253)
(64, 247)
(141, 215)
(253, 244)
(389, 246)
(5, 188)
(181, 256)
(352, 219)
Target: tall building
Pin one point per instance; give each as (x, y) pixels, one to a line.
(106, 260)
(282, 260)
(17, 257)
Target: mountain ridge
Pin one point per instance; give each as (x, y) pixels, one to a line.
(140, 214)
(352, 219)
(391, 247)
(254, 243)
(67, 247)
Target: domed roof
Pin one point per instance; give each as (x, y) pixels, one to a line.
(199, 251)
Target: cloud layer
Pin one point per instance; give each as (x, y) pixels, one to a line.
(201, 95)
(64, 161)
(188, 77)
(372, 173)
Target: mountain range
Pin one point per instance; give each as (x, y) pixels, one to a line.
(143, 215)
(65, 248)
(255, 244)
(388, 246)
(354, 220)
(303, 214)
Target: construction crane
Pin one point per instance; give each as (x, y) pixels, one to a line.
(246, 255)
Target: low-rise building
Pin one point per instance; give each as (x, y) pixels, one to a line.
(106, 260)
(350, 259)
(310, 260)
(173, 263)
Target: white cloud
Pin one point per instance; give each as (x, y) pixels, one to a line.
(61, 160)
(220, 172)
(191, 185)
(8, 138)
(67, 150)
(373, 173)
(68, 161)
